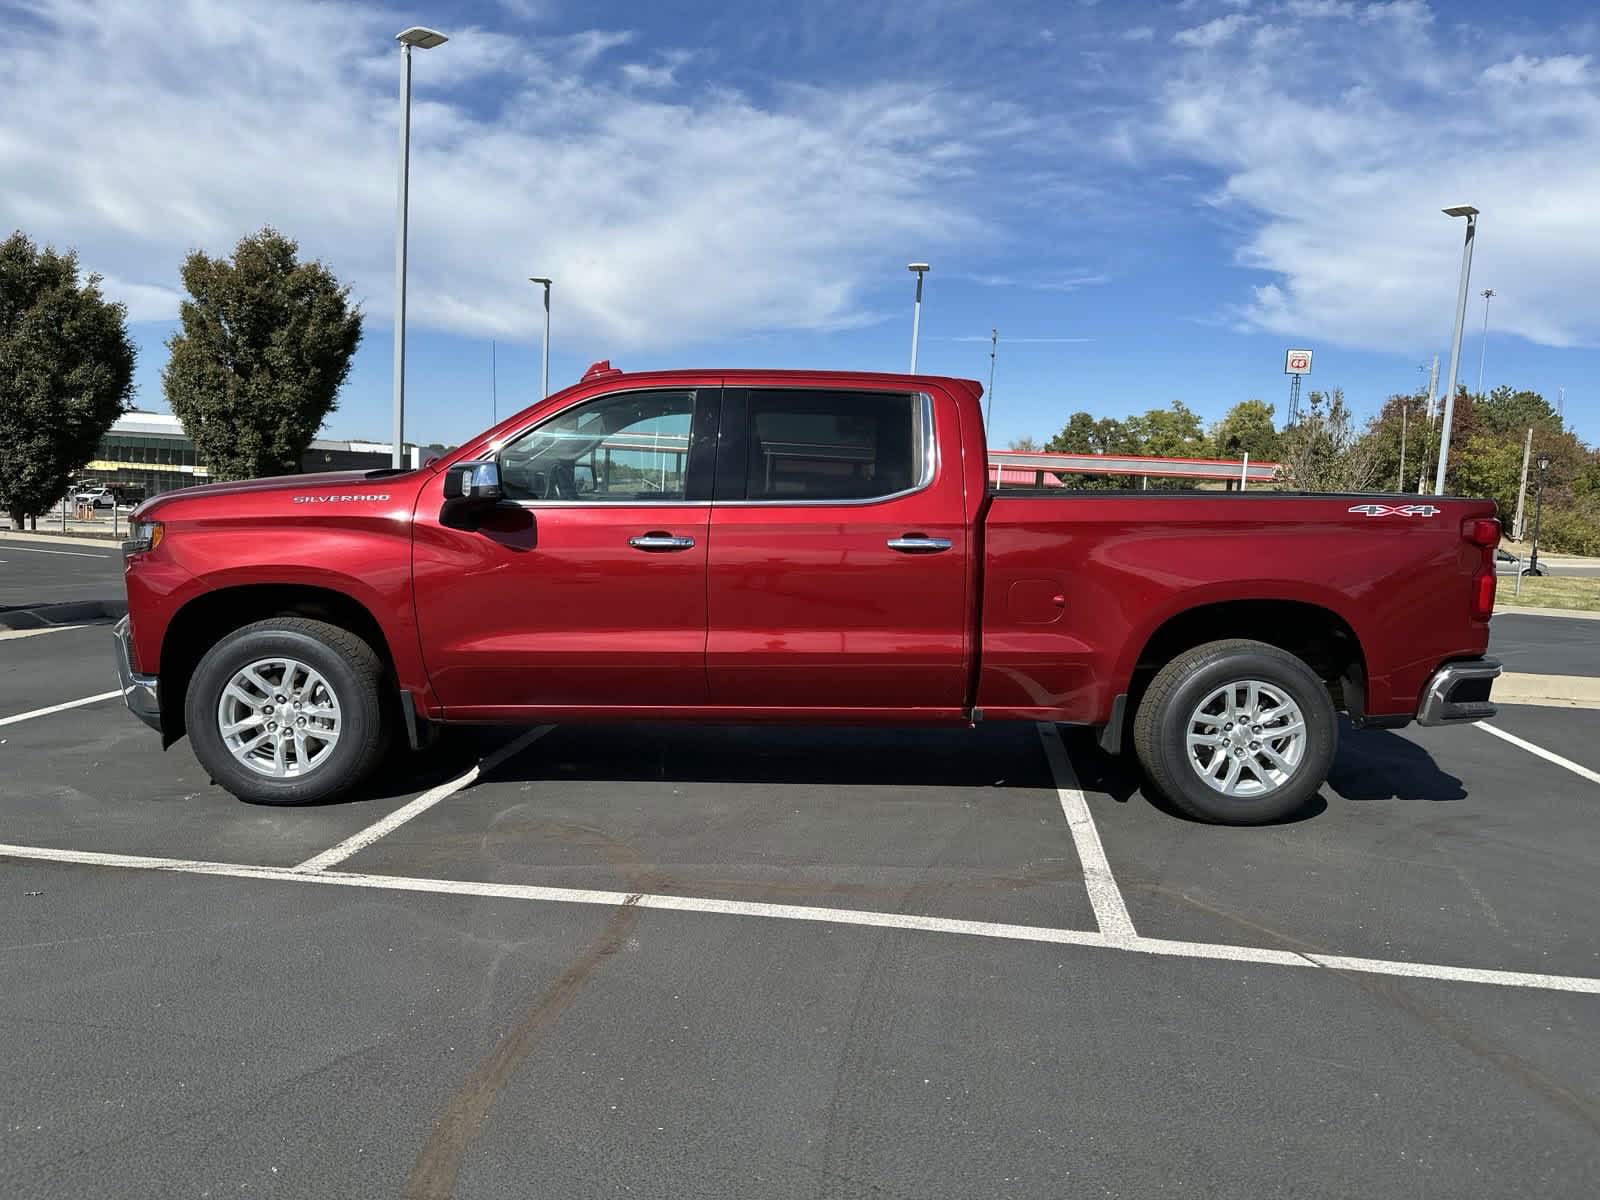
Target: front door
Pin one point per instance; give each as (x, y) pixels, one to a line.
(585, 588)
(838, 567)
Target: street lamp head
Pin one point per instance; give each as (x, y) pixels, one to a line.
(1461, 210)
(421, 37)
(1544, 463)
(540, 279)
(919, 268)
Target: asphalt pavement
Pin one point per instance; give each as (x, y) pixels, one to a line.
(664, 961)
(1541, 645)
(35, 573)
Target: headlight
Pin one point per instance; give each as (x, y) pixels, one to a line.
(142, 536)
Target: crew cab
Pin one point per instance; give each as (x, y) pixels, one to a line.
(794, 547)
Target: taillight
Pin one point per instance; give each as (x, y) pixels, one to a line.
(1483, 585)
(1481, 531)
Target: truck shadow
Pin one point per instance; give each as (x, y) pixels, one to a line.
(986, 757)
(1370, 765)
(1379, 764)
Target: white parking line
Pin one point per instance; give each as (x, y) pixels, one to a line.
(1105, 897)
(1157, 947)
(11, 635)
(55, 708)
(1547, 755)
(68, 553)
(358, 842)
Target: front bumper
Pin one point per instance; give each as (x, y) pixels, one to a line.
(141, 693)
(1459, 691)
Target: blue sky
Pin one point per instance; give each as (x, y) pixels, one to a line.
(1150, 201)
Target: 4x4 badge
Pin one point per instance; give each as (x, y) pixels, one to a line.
(1396, 510)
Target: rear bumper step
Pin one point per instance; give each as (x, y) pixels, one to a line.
(1459, 691)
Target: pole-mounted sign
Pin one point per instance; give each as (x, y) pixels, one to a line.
(1297, 362)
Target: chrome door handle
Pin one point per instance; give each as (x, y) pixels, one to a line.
(659, 542)
(916, 543)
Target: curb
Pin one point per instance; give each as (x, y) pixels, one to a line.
(74, 612)
(1557, 691)
(1518, 610)
(59, 539)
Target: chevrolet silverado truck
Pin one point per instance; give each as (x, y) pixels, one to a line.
(794, 547)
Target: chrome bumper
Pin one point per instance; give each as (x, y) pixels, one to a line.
(141, 693)
(1459, 691)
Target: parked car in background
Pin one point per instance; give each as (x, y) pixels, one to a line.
(95, 497)
(793, 547)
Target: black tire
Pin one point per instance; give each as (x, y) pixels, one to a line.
(351, 668)
(1161, 725)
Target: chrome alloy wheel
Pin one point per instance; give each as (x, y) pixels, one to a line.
(1246, 738)
(279, 717)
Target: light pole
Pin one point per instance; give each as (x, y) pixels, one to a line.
(422, 39)
(916, 313)
(1538, 511)
(544, 368)
(988, 408)
(1471, 214)
(1483, 342)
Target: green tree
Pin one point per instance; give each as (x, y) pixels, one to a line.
(1084, 434)
(265, 345)
(66, 372)
(1024, 443)
(1322, 451)
(1247, 428)
(1401, 424)
(1174, 432)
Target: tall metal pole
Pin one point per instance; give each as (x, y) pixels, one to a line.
(988, 408)
(1522, 486)
(1433, 388)
(1538, 511)
(400, 256)
(1455, 351)
(1483, 342)
(919, 268)
(1405, 412)
(544, 354)
(494, 384)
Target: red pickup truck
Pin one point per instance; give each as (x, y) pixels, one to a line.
(797, 547)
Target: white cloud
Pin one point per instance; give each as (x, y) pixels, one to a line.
(1213, 33)
(1139, 33)
(1334, 153)
(659, 219)
(1561, 70)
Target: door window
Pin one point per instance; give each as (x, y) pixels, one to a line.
(629, 447)
(818, 445)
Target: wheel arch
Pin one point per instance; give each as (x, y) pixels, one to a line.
(1318, 635)
(211, 616)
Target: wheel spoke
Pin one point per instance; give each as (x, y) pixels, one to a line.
(1224, 748)
(286, 741)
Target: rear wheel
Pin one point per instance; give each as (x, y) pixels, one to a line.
(287, 711)
(1236, 732)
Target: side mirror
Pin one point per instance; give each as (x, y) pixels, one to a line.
(473, 483)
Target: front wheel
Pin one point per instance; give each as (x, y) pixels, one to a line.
(1236, 732)
(287, 711)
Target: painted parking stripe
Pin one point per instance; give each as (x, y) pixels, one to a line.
(55, 708)
(1105, 897)
(68, 553)
(1155, 947)
(1547, 755)
(11, 635)
(358, 842)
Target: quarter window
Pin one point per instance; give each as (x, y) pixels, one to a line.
(816, 445)
(629, 447)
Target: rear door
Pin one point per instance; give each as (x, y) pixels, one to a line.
(838, 563)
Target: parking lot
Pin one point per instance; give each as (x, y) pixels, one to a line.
(679, 961)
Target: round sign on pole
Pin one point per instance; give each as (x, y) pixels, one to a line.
(1297, 362)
